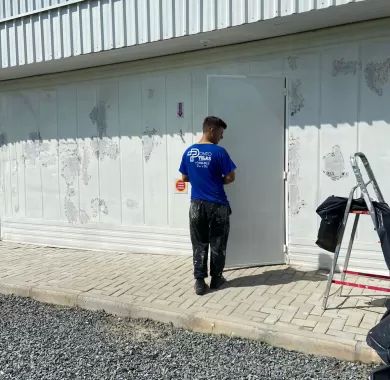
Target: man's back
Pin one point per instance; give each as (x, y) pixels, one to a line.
(206, 165)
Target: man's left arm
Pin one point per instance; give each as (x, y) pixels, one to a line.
(229, 178)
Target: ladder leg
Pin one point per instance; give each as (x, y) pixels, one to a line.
(349, 250)
(330, 276)
(338, 247)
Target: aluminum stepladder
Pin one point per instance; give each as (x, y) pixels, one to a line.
(370, 211)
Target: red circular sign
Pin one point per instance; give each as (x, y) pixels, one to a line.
(180, 185)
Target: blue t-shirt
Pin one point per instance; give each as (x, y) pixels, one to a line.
(205, 165)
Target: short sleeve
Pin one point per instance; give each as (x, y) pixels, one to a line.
(183, 166)
(227, 165)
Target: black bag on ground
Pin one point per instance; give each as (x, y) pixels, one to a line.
(378, 338)
(332, 211)
(381, 373)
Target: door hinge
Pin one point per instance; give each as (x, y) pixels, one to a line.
(285, 92)
(285, 175)
(285, 248)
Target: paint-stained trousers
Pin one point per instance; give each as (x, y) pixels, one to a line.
(209, 226)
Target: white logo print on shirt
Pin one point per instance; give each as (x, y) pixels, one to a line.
(204, 158)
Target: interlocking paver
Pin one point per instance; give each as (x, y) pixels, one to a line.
(280, 297)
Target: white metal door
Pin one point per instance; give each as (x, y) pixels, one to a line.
(254, 110)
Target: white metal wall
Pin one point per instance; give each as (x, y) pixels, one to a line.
(16, 8)
(76, 27)
(90, 162)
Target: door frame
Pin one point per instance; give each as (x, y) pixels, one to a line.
(285, 173)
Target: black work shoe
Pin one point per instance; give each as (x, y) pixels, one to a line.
(200, 287)
(217, 282)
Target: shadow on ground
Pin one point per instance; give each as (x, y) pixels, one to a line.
(276, 277)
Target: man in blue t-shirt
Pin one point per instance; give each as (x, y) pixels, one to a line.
(208, 168)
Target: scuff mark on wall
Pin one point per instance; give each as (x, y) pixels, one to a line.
(295, 201)
(292, 62)
(74, 163)
(181, 133)
(98, 205)
(3, 139)
(70, 192)
(105, 148)
(131, 203)
(47, 157)
(341, 66)
(84, 217)
(377, 74)
(297, 101)
(150, 140)
(70, 169)
(36, 150)
(70, 161)
(71, 212)
(334, 164)
(98, 117)
(150, 92)
(35, 136)
(84, 165)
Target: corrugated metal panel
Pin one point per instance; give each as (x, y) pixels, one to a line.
(54, 29)
(14, 8)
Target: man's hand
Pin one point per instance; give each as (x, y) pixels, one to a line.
(185, 178)
(229, 178)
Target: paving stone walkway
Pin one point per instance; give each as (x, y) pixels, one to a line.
(275, 299)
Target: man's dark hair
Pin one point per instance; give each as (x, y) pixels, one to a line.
(213, 121)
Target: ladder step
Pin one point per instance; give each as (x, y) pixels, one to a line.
(367, 274)
(359, 212)
(361, 286)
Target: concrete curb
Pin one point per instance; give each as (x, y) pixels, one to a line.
(302, 341)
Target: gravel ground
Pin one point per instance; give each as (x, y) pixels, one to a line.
(40, 341)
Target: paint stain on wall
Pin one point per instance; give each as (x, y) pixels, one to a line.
(98, 205)
(72, 213)
(131, 204)
(150, 140)
(292, 62)
(70, 169)
(341, 66)
(334, 164)
(297, 101)
(99, 118)
(105, 148)
(377, 75)
(295, 201)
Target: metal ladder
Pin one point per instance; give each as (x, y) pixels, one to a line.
(370, 211)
